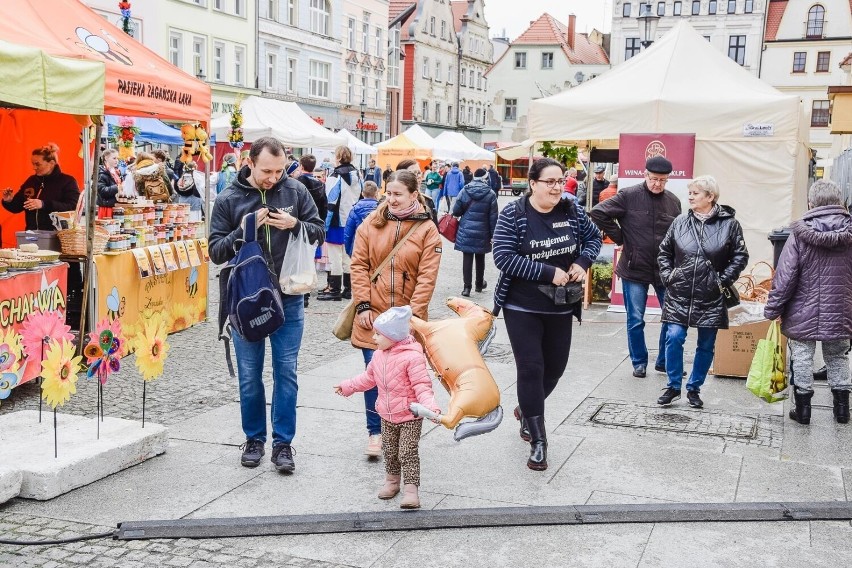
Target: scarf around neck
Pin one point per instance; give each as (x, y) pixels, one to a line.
(704, 216)
(403, 214)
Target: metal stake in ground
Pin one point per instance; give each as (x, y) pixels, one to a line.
(144, 384)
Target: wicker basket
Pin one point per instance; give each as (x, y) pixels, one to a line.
(74, 241)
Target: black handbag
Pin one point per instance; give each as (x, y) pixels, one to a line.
(730, 294)
(566, 295)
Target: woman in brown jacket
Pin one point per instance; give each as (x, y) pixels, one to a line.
(407, 280)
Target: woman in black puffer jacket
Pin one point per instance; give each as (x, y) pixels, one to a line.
(477, 207)
(702, 248)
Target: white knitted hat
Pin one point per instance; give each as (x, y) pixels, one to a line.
(394, 323)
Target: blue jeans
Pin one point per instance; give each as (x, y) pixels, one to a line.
(675, 338)
(635, 300)
(374, 421)
(285, 343)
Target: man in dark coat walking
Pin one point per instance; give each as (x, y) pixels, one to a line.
(494, 179)
(477, 208)
(637, 218)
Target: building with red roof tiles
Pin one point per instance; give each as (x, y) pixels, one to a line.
(735, 27)
(547, 58)
(805, 45)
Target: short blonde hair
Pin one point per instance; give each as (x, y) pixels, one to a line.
(708, 185)
(343, 155)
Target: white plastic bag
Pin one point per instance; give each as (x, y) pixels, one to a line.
(298, 273)
(745, 313)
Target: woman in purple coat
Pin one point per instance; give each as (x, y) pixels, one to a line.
(812, 295)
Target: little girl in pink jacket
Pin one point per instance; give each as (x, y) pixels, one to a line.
(398, 369)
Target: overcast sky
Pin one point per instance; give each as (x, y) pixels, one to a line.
(515, 15)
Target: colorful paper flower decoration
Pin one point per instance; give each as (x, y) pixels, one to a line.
(59, 371)
(8, 380)
(150, 346)
(36, 332)
(104, 351)
(235, 133)
(10, 362)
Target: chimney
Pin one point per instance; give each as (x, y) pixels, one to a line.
(572, 24)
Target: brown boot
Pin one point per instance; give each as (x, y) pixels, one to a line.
(410, 498)
(390, 488)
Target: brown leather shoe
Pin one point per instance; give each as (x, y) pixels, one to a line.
(390, 488)
(410, 497)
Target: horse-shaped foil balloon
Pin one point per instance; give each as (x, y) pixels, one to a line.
(454, 348)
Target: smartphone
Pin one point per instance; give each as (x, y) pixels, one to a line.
(272, 209)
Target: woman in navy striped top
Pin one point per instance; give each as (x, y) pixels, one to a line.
(541, 242)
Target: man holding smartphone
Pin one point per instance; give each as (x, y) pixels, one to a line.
(283, 205)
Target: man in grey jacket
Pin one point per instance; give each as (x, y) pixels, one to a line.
(637, 218)
(283, 206)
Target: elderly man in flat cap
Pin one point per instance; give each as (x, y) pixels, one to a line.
(637, 218)
(599, 183)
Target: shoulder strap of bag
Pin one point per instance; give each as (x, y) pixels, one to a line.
(393, 251)
(250, 231)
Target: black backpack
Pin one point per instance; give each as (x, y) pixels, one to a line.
(249, 297)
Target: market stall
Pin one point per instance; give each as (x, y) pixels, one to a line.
(64, 71)
(401, 147)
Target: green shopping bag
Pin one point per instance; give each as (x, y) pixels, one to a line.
(766, 378)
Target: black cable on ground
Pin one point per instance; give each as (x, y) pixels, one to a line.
(110, 534)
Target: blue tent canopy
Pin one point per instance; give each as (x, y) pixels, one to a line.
(152, 130)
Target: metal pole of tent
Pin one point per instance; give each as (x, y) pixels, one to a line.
(207, 213)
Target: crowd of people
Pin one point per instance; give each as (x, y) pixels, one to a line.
(380, 234)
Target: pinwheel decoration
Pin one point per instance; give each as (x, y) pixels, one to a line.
(104, 351)
(36, 332)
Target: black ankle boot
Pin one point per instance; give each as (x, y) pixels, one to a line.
(538, 443)
(466, 291)
(841, 405)
(802, 412)
(525, 432)
(307, 299)
(481, 286)
(347, 287)
(333, 290)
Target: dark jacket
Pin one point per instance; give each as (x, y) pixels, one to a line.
(356, 217)
(317, 190)
(512, 229)
(811, 290)
(693, 297)
(598, 185)
(107, 188)
(638, 220)
(241, 198)
(477, 207)
(494, 180)
(467, 175)
(58, 191)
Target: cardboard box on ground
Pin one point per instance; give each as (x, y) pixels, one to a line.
(735, 348)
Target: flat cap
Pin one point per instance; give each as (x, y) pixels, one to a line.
(599, 169)
(658, 165)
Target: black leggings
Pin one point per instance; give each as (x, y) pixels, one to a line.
(467, 268)
(540, 343)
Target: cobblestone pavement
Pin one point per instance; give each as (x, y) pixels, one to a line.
(196, 380)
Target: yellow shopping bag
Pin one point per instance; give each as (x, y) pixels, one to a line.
(766, 378)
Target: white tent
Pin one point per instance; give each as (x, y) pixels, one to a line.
(457, 146)
(417, 135)
(281, 119)
(682, 84)
(357, 146)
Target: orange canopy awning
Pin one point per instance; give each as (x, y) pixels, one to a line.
(138, 81)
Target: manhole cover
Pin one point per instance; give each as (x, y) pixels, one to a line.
(703, 422)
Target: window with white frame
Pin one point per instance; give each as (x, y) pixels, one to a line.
(820, 114)
(800, 60)
(470, 114)
(443, 29)
(450, 75)
(676, 9)
(425, 111)
(350, 34)
(449, 114)
(479, 80)
(737, 48)
(365, 34)
(732, 6)
(239, 59)
(425, 67)
(218, 60)
(271, 9)
(432, 26)
(816, 21)
(521, 60)
(175, 49)
(292, 15)
(463, 81)
(625, 10)
(661, 9)
(547, 60)
(470, 79)
(292, 77)
(378, 93)
(711, 7)
(320, 16)
(239, 7)
(365, 93)
(631, 47)
(437, 72)
(217, 4)
(350, 88)
(511, 110)
(199, 55)
(749, 6)
(271, 71)
(437, 112)
(318, 78)
(393, 58)
(380, 47)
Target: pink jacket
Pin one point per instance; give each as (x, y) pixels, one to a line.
(400, 374)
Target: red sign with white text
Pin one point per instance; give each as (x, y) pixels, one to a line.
(634, 149)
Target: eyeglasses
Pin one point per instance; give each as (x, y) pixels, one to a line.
(661, 181)
(551, 183)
